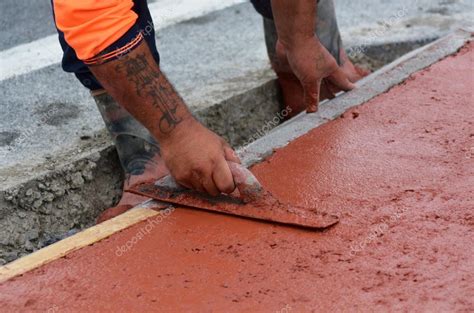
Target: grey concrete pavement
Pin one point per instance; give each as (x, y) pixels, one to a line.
(22, 21)
(373, 22)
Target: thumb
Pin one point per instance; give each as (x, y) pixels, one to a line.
(311, 95)
(230, 155)
(248, 185)
(339, 79)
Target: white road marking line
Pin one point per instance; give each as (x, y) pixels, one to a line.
(46, 51)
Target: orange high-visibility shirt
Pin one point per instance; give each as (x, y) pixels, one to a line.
(90, 26)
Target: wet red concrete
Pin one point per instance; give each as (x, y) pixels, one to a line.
(266, 207)
(398, 169)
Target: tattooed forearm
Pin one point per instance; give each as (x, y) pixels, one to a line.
(153, 86)
(136, 82)
(137, 70)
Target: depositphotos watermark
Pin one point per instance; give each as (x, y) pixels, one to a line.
(377, 231)
(269, 124)
(286, 309)
(53, 309)
(379, 33)
(30, 132)
(469, 153)
(143, 231)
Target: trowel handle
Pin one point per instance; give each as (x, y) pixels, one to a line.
(168, 182)
(247, 184)
(249, 187)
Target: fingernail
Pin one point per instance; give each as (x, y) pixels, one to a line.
(311, 109)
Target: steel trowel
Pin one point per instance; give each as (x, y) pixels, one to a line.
(250, 200)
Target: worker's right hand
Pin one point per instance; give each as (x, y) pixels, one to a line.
(197, 158)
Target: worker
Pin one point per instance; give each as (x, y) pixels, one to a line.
(110, 47)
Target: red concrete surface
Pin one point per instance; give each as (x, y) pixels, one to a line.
(398, 169)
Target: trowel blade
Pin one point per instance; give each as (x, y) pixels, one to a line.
(267, 208)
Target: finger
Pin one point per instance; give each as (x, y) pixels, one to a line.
(196, 182)
(249, 187)
(361, 71)
(326, 92)
(210, 187)
(182, 182)
(222, 177)
(339, 79)
(197, 186)
(332, 88)
(311, 95)
(171, 182)
(230, 154)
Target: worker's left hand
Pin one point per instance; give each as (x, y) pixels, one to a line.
(310, 62)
